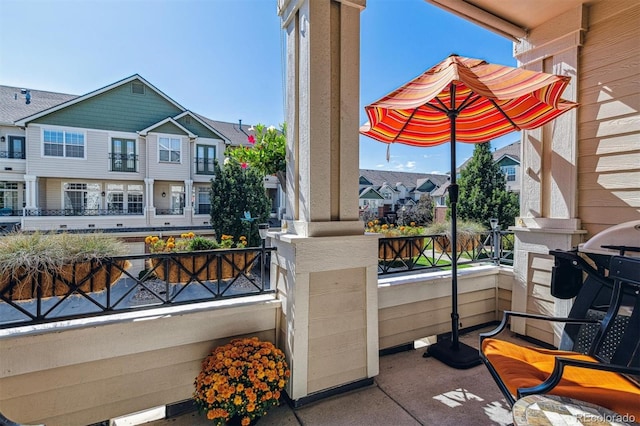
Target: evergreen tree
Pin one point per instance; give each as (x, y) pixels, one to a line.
(236, 190)
(483, 193)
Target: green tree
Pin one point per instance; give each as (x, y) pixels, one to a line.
(422, 213)
(236, 190)
(483, 190)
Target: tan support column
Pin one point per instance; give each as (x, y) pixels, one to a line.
(549, 156)
(325, 269)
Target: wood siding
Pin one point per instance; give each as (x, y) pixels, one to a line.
(337, 329)
(609, 118)
(161, 170)
(539, 299)
(90, 374)
(95, 165)
(411, 311)
(111, 110)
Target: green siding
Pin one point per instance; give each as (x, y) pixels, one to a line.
(117, 109)
(197, 128)
(506, 161)
(427, 186)
(371, 195)
(364, 181)
(169, 128)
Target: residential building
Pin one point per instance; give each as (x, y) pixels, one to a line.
(385, 192)
(508, 159)
(123, 156)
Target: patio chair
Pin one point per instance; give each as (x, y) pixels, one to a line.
(598, 359)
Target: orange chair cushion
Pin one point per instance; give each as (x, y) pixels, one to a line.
(524, 367)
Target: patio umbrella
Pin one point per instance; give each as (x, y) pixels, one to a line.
(464, 100)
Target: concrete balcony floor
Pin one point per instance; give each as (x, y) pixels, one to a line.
(410, 390)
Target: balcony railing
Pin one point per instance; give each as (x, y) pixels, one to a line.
(12, 155)
(8, 211)
(204, 166)
(423, 252)
(175, 211)
(82, 290)
(82, 212)
(123, 162)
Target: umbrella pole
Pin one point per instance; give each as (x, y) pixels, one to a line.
(453, 353)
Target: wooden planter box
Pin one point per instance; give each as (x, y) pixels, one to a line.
(88, 276)
(203, 267)
(400, 249)
(464, 243)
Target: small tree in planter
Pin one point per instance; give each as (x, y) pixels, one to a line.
(235, 190)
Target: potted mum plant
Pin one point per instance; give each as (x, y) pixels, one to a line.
(241, 381)
(204, 267)
(49, 264)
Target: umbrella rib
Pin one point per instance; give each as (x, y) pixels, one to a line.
(442, 110)
(515, 126)
(467, 102)
(404, 125)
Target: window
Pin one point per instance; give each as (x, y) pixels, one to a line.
(81, 198)
(15, 149)
(169, 149)
(59, 143)
(8, 198)
(124, 199)
(205, 156)
(134, 199)
(204, 200)
(177, 199)
(123, 155)
(509, 172)
(386, 195)
(137, 88)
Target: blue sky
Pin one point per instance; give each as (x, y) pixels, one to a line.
(223, 58)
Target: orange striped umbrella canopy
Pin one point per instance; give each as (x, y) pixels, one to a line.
(487, 101)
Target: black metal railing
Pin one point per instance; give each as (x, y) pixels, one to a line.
(176, 211)
(422, 252)
(123, 162)
(82, 212)
(8, 211)
(16, 155)
(204, 166)
(88, 289)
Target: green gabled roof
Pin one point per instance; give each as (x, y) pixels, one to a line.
(168, 125)
(507, 161)
(365, 181)
(196, 125)
(120, 106)
(426, 186)
(370, 194)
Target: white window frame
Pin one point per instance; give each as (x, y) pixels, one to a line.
(91, 191)
(171, 139)
(126, 191)
(506, 169)
(64, 131)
